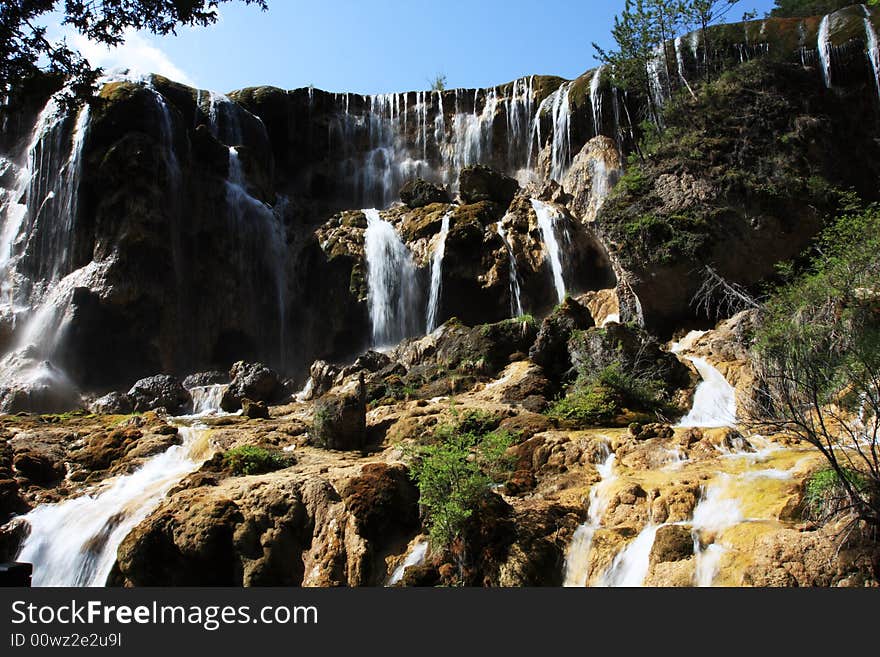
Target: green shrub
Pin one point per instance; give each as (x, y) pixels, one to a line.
(817, 354)
(456, 469)
(826, 494)
(586, 406)
(251, 460)
(597, 398)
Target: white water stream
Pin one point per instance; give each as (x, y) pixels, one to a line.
(74, 542)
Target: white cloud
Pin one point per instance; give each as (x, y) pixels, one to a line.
(136, 54)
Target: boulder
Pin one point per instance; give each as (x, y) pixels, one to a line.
(323, 377)
(593, 173)
(341, 421)
(633, 349)
(485, 349)
(253, 381)
(160, 391)
(114, 403)
(254, 409)
(204, 379)
(383, 500)
(550, 349)
(480, 183)
(672, 543)
(418, 193)
(38, 467)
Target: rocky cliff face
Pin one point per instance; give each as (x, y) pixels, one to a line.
(164, 228)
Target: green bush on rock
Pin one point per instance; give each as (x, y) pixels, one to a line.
(252, 460)
(456, 470)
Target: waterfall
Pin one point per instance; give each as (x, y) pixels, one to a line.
(33, 184)
(824, 48)
(396, 139)
(655, 65)
(223, 119)
(714, 399)
(519, 117)
(471, 135)
(559, 106)
(206, 399)
(74, 542)
(873, 48)
(259, 227)
(547, 218)
(415, 557)
(596, 99)
(437, 274)
(577, 561)
(679, 59)
(630, 567)
(713, 514)
(391, 282)
(516, 307)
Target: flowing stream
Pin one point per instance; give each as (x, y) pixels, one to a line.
(74, 542)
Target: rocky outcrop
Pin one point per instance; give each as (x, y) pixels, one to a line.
(550, 349)
(340, 420)
(253, 381)
(633, 350)
(419, 193)
(480, 183)
(113, 403)
(160, 391)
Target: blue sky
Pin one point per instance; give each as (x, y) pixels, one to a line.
(377, 46)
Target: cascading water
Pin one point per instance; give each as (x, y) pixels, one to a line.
(714, 399)
(559, 106)
(400, 146)
(873, 48)
(547, 219)
(415, 557)
(630, 567)
(74, 543)
(437, 274)
(207, 399)
(596, 100)
(714, 513)
(516, 307)
(37, 280)
(258, 226)
(824, 49)
(577, 560)
(393, 291)
(223, 119)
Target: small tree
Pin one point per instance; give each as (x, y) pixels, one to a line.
(456, 469)
(438, 83)
(818, 360)
(702, 14)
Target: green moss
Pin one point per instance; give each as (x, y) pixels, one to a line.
(251, 460)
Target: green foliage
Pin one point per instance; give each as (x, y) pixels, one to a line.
(25, 49)
(438, 82)
(643, 33)
(251, 460)
(818, 355)
(825, 493)
(598, 397)
(456, 469)
(586, 404)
